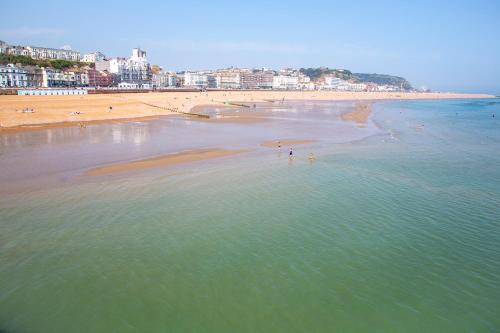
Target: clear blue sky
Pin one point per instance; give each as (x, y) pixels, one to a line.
(443, 45)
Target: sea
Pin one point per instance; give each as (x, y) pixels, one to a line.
(394, 227)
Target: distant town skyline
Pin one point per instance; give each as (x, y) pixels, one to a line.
(448, 47)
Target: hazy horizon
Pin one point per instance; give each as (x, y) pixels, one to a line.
(432, 45)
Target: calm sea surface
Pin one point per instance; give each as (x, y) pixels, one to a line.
(394, 228)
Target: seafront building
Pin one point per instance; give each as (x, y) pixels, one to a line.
(53, 78)
(133, 70)
(227, 80)
(248, 80)
(35, 76)
(195, 80)
(99, 78)
(12, 76)
(264, 79)
(331, 82)
(164, 79)
(349, 86)
(136, 72)
(56, 78)
(285, 82)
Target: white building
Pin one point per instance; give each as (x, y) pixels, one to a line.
(13, 77)
(387, 88)
(76, 78)
(332, 82)
(93, 57)
(135, 69)
(57, 78)
(195, 79)
(306, 86)
(17, 51)
(164, 79)
(52, 54)
(305, 82)
(285, 82)
(348, 86)
(52, 78)
(228, 80)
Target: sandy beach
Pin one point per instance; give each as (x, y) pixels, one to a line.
(77, 109)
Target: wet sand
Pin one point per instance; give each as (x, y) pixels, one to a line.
(82, 124)
(162, 161)
(74, 109)
(360, 114)
(116, 146)
(286, 143)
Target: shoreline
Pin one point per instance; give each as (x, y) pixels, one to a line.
(72, 110)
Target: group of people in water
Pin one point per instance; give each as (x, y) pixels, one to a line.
(311, 156)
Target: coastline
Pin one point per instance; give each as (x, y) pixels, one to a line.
(57, 111)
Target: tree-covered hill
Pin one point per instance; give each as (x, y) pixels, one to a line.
(383, 79)
(316, 73)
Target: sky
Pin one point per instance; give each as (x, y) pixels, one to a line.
(440, 45)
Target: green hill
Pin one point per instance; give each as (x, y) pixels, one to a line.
(344, 74)
(316, 73)
(383, 79)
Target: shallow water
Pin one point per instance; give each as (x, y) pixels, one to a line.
(394, 228)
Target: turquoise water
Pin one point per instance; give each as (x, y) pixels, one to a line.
(396, 230)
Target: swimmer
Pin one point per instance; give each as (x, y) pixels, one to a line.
(312, 157)
(279, 145)
(290, 154)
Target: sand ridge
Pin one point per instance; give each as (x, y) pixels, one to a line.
(360, 113)
(164, 160)
(285, 143)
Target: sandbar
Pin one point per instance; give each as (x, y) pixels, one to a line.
(360, 114)
(161, 161)
(286, 143)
